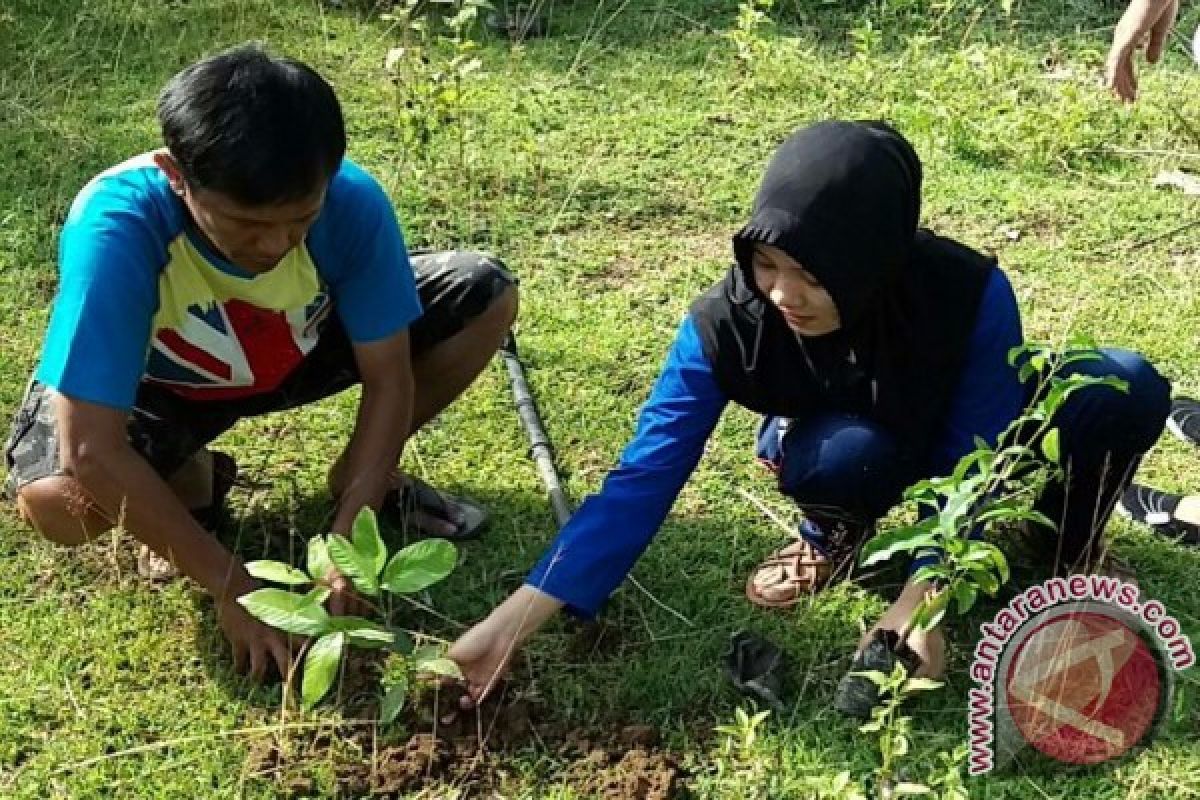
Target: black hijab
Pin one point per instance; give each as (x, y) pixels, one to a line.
(843, 199)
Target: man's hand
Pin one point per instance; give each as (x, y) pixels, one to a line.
(256, 647)
(930, 645)
(343, 600)
(1144, 19)
(485, 652)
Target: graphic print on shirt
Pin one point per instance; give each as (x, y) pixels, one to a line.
(219, 336)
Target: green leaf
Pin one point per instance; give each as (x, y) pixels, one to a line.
(287, 611)
(931, 611)
(318, 561)
(362, 632)
(899, 745)
(353, 565)
(319, 595)
(886, 544)
(394, 695)
(277, 572)
(367, 541)
(1120, 384)
(874, 676)
(985, 578)
(1050, 445)
(905, 788)
(964, 596)
(874, 726)
(981, 457)
(320, 667)
(921, 685)
(931, 572)
(1081, 355)
(420, 565)
(429, 658)
(1041, 519)
(1000, 562)
(441, 666)
(402, 643)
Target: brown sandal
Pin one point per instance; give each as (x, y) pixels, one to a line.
(791, 572)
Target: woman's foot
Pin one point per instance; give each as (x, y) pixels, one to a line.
(803, 567)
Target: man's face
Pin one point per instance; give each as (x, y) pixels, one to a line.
(254, 238)
(807, 307)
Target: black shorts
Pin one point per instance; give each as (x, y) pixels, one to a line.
(166, 429)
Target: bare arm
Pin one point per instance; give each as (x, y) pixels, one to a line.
(381, 427)
(95, 450)
(1145, 22)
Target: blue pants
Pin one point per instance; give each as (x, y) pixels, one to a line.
(842, 468)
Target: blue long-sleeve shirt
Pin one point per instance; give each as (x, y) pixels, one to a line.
(597, 548)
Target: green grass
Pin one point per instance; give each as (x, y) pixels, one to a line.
(607, 164)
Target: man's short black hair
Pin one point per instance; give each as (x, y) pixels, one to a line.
(261, 130)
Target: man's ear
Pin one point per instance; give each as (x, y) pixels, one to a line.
(166, 162)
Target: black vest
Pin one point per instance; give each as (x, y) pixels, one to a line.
(897, 380)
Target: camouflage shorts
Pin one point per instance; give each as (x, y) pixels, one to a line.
(28, 450)
(455, 287)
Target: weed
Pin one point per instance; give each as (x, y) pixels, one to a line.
(747, 35)
(892, 729)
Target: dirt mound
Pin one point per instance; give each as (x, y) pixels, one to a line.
(396, 771)
(636, 775)
(468, 750)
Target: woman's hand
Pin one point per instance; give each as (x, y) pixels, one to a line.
(485, 652)
(930, 645)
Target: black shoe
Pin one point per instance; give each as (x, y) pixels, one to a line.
(1157, 510)
(1184, 420)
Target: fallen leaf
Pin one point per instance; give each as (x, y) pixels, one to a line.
(1185, 181)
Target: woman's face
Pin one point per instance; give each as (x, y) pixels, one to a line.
(806, 307)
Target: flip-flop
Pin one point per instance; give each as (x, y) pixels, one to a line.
(225, 474)
(400, 507)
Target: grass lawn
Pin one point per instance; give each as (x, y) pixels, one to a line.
(607, 164)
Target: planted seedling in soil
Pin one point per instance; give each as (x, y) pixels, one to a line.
(991, 488)
(363, 559)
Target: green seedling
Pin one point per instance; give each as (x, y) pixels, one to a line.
(363, 559)
(742, 733)
(892, 729)
(991, 488)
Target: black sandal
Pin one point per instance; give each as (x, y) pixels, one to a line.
(400, 507)
(225, 473)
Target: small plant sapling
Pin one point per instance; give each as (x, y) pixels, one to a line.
(363, 558)
(991, 487)
(892, 729)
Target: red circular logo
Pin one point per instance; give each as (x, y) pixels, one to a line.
(1083, 687)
